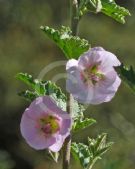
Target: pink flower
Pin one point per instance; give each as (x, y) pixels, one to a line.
(92, 78)
(45, 125)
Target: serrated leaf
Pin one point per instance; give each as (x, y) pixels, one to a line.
(35, 84)
(81, 152)
(127, 74)
(72, 46)
(78, 110)
(28, 95)
(98, 147)
(82, 123)
(115, 11)
(104, 149)
(107, 7)
(89, 154)
(97, 144)
(100, 141)
(42, 88)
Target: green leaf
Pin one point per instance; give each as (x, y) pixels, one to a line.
(107, 7)
(115, 11)
(42, 88)
(35, 84)
(81, 153)
(82, 123)
(127, 74)
(72, 46)
(78, 110)
(28, 95)
(87, 155)
(98, 147)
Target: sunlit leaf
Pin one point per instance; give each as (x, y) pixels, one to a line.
(81, 153)
(82, 123)
(87, 155)
(42, 88)
(107, 7)
(98, 147)
(28, 95)
(72, 46)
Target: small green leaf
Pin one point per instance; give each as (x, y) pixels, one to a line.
(81, 153)
(82, 123)
(87, 155)
(107, 7)
(28, 95)
(42, 88)
(98, 147)
(35, 84)
(26, 78)
(78, 110)
(127, 74)
(72, 46)
(115, 11)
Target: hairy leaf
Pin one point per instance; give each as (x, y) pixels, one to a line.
(107, 7)
(28, 95)
(127, 74)
(82, 123)
(98, 147)
(87, 155)
(41, 88)
(81, 153)
(72, 46)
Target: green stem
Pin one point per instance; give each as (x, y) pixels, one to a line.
(74, 28)
(74, 16)
(67, 144)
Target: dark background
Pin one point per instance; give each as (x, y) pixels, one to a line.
(24, 48)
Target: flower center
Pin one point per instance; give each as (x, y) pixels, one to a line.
(49, 124)
(92, 75)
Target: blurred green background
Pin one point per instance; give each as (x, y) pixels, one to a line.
(24, 48)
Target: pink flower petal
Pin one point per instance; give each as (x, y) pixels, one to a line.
(58, 144)
(32, 134)
(99, 81)
(44, 124)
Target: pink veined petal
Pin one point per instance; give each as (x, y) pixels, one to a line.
(108, 60)
(104, 89)
(35, 108)
(106, 97)
(65, 126)
(50, 105)
(76, 86)
(98, 48)
(34, 137)
(86, 95)
(58, 144)
(88, 59)
(28, 126)
(40, 142)
(106, 93)
(105, 86)
(113, 89)
(52, 108)
(74, 76)
(31, 125)
(108, 79)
